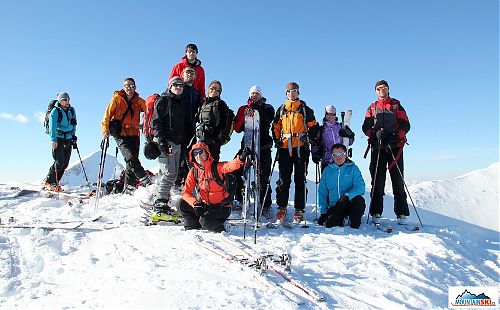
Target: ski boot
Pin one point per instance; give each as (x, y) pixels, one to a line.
(280, 216)
(163, 213)
(298, 216)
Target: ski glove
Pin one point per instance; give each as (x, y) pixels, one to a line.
(73, 141)
(322, 219)
(245, 153)
(346, 133)
(200, 209)
(342, 202)
(380, 135)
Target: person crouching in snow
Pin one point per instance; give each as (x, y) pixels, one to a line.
(340, 191)
(206, 202)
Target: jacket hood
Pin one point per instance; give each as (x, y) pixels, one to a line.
(197, 62)
(209, 160)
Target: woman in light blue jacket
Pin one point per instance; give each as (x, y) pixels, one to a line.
(340, 191)
(61, 128)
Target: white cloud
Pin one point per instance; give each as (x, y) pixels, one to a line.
(40, 117)
(17, 118)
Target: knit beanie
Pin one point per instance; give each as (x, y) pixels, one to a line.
(330, 109)
(192, 46)
(292, 85)
(62, 96)
(175, 79)
(255, 89)
(381, 82)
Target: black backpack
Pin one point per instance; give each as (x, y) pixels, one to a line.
(208, 115)
(228, 181)
(51, 106)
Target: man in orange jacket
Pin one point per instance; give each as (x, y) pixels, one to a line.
(121, 120)
(206, 203)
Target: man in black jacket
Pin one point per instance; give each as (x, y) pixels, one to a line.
(258, 103)
(168, 126)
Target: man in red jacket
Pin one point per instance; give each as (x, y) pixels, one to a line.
(206, 203)
(190, 59)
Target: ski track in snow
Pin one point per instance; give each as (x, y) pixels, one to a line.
(117, 262)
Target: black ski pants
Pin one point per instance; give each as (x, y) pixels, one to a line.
(187, 142)
(354, 209)
(265, 171)
(378, 181)
(129, 147)
(61, 155)
(212, 221)
(288, 164)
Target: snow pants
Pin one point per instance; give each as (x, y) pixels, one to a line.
(288, 164)
(61, 155)
(354, 210)
(212, 221)
(398, 189)
(169, 166)
(129, 147)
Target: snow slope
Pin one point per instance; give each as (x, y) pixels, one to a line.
(119, 263)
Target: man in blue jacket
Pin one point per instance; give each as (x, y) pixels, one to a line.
(340, 191)
(62, 127)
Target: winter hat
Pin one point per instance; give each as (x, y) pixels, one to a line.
(175, 79)
(62, 96)
(381, 82)
(192, 46)
(292, 85)
(254, 89)
(330, 109)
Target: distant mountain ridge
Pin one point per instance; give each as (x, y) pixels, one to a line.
(74, 175)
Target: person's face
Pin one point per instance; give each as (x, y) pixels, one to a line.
(64, 103)
(189, 75)
(382, 91)
(177, 88)
(255, 96)
(339, 156)
(200, 156)
(129, 88)
(191, 54)
(214, 90)
(292, 94)
(330, 117)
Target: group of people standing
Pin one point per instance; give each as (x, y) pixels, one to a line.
(188, 129)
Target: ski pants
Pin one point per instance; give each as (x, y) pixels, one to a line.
(61, 155)
(288, 164)
(187, 143)
(265, 171)
(129, 147)
(398, 189)
(354, 209)
(212, 221)
(169, 166)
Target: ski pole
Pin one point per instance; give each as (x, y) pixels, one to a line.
(114, 169)
(305, 191)
(83, 168)
(269, 179)
(317, 177)
(104, 148)
(406, 187)
(374, 180)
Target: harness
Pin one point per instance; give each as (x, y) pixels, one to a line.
(299, 135)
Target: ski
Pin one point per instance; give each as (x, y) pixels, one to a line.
(346, 121)
(311, 293)
(255, 267)
(46, 226)
(386, 229)
(410, 227)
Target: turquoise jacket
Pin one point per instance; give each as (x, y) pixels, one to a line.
(337, 181)
(63, 129)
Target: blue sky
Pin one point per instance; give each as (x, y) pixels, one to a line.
(441, 59)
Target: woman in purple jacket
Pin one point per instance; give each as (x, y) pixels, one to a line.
(330, 133)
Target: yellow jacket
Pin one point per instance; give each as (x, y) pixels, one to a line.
(117, 107)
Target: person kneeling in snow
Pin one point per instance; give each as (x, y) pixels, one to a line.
(340, 191)
(206, 202)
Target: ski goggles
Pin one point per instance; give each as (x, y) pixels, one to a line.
(339, 154)
(292, 91)
(197, 152)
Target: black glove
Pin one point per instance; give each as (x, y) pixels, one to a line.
(245, 153)
(304, 138)
(322, 219)
(342, 202)
(277, 144)
(317, 157)
(346, 133)
(164, 148)
(380, 135)
(73, 141)
(200, 209)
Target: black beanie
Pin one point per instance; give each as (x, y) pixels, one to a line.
(381, 82)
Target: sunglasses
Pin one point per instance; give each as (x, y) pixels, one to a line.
(292, 91)
(197, 152)
(330, 114)
(381, 88)
(192, 51)
(178, 85)
(339, 154)
(215, 89)
(129, 85)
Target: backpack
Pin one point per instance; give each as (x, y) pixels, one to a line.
(228, 181)
(295, 125)
(207, 117)
(51, 106)
(147, 130)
